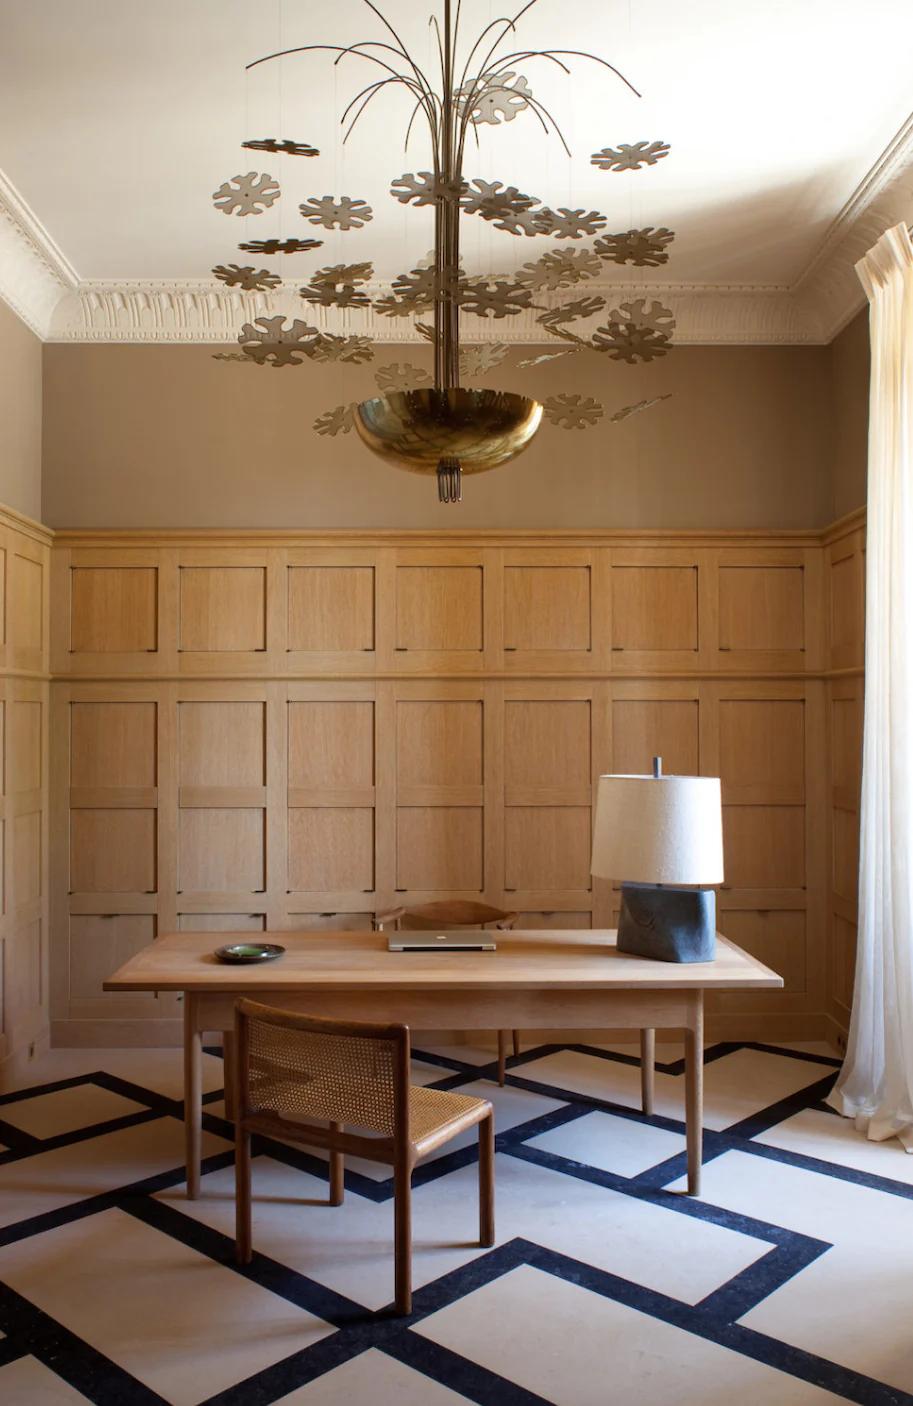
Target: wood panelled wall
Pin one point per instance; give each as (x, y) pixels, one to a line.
(296, 730)
(24, 600)
(845, 551)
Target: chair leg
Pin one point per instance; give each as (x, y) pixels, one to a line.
(502, 1057)
(243, 1237)
(402, 1213)
(516, 1035)
(487, 1181)
(337, 1172)
(229, 1073)
(647, 1069)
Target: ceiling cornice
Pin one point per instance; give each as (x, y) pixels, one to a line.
(43, 288)
(35, 275)
(206, 311)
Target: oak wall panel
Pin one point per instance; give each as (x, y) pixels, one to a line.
(331, 745)
(24, 777)
(27, 574)
(331, 849)
(655, 608)
(845, 620)
(439, 608)
(764, 847)
(439, 849)
(648, 727)
(221, 849)
(221, 743)
(330, 608)
(222, 609)
(547, 608)
(547, 746)
(112, 851)
(547, 847)
(762, 608)
(113, 609)
(112, 745)
(296, 731)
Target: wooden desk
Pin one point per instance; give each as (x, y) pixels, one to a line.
(534, 981)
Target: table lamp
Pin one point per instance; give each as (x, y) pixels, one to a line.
(654, 833)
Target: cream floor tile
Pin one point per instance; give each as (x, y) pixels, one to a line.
(48, 1115)
(373, 1379)
(734, 1087)
(184, 1325)
(834, 1139)
(48, 1180)
(852, 1305)
(161, 1070)
(28, 1382)
(575, 1348)
(350, 1247)
(816, 1047)
(612, 1144)
(467, 1054)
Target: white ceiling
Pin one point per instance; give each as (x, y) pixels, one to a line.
(118, 119)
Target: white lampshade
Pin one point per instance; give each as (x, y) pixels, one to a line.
(659, 830)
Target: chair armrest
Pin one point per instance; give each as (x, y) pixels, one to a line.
(393, 916)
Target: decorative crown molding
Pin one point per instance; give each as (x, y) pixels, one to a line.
(34, 273)
(206, 311)
(829, 285)
(41, 286)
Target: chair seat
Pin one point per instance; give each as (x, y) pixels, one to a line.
(430, 1110)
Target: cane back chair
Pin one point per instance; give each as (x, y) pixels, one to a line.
(344, 1086)
(455, 913)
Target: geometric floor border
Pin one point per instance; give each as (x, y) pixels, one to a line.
(29, 1331)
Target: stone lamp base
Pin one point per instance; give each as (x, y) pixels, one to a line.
(667, 924)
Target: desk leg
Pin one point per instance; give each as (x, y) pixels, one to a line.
(193, 1095)
(694, 1094)
(647, 1070)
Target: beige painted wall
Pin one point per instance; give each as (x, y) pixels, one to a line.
(167, 436)
(20, 415)
(849, 355)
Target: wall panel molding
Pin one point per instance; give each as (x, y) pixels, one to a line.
(24, 781)
(369, 718)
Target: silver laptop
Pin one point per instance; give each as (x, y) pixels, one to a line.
(473, 940)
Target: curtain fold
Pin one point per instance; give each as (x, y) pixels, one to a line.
(875, 1085)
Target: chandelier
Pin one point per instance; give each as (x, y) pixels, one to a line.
(445, 428)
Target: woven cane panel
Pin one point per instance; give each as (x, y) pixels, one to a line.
(336, 1078)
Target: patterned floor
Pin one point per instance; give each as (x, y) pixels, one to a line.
(788, 1283)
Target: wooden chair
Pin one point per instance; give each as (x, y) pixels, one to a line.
(306, 1080)
(456, 913)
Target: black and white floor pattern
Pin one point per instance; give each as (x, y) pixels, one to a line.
(789, 1282)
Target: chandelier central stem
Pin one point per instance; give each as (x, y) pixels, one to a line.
(447, 227)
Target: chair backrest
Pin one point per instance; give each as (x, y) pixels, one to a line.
(455, 913)
(301, 1067)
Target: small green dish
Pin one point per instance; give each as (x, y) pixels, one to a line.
(241, 953)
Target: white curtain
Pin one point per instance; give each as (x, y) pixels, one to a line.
(876, 1083)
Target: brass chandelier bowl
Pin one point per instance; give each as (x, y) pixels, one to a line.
(448, 432)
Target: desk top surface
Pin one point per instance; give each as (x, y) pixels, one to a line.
(340, 961)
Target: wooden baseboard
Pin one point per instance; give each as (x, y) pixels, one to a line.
(836, 1034)
(31, 1048)
(116, 1034)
